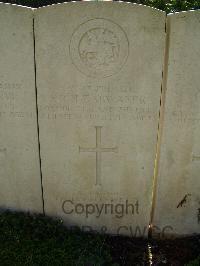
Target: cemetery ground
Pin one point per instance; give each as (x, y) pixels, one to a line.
(39, 240)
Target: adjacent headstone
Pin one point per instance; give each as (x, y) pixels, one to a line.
(99, 74)
(20, 184)
(178, 184)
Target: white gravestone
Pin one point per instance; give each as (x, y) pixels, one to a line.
(99, 74)
(178, 183)
(20, 184)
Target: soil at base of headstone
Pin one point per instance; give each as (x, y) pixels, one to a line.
(174, 252)
(36, 239)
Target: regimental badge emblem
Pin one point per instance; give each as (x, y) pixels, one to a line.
(99, 48)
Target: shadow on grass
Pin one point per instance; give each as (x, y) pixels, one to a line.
(27, 239)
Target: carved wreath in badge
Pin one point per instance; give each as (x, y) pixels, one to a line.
(99, 48)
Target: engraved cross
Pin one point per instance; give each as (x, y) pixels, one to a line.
(98, 150)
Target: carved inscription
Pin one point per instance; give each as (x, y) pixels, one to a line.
(98, 150)
(2, 155)
(10, 95)
(95, 196)
(99, 48)
(102, 103)
(183, 117)
(195, 158)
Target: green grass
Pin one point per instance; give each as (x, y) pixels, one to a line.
(195, 262)
(37, 240)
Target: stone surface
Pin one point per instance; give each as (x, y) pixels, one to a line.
(20, 185)
(99, 73)
(178, 197)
